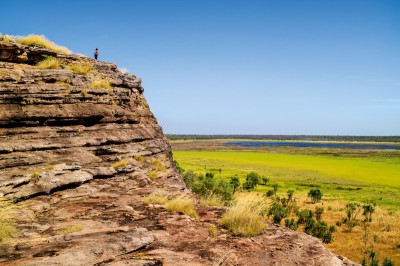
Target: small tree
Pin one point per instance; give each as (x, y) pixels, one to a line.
(318, 213)
(290, 195)
(265, 180)
(235, 182)
(368, 211)
(252, 180)
(275, 188)
(315, 195)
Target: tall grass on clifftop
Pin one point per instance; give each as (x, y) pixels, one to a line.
(244, 217)
(49, 63)
(41, 40)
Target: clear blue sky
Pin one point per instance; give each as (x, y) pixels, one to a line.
(241, 67)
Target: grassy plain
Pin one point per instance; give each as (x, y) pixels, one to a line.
(342, 175)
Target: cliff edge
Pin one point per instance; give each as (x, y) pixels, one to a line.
(80, 150)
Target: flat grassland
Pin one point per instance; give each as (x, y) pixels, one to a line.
(343, 176)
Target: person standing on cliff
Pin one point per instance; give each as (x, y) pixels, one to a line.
(96, 53)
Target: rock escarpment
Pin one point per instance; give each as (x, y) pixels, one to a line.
(78, 160)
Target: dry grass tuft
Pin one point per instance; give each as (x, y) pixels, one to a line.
(158, 165)
(212, 230)
(119, 164)
(182, 204)
(49, 63)
(100, 83)
(152, 175)
(139, 158)
(41, 40)
(212, 201)
(244, 217)
(81, 68)
(156, 197)
(6, 38)
(70, 229)
(7, 227)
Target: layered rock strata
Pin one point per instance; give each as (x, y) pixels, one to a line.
(78, 158)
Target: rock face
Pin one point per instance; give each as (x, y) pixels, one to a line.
(78, 158)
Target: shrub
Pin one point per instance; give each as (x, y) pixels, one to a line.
(303, 215)
(269, 193)
(278, 212)
(178, 168)
(189, 178)
(49, 63)
(158, 165)
(70, 229)
(152, 175)
(208, 186)
(235, 182)
(156, 197)
(182, 204)
(244, 216)
(41, 40)
(81, 68)
(291, 224)
(100, 83)
(387, 262)
(119, 164)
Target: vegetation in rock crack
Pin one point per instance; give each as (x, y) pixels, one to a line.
(153, 175)
(160, 167)
(119, 164)
(49, 62)
(70, 229)
(100, 83)
(49, 167)
(41, 40)
(244, 216)
(139, 158)
(182, 204)
(212, 230)
(7, 221)
(81, 68)
(84, 93)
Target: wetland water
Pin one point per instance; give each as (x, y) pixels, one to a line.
(301, 144)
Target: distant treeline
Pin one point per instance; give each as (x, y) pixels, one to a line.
(289, 137)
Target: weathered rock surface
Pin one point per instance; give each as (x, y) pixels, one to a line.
(59, 142)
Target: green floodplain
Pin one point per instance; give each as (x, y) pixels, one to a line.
(340, 174)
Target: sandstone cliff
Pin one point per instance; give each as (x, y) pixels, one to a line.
(80, 157)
